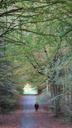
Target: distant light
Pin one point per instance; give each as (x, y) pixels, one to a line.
(29, 90)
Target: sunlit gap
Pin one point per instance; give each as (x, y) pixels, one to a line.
(28, 89)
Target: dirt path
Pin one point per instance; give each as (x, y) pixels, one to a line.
(38, 119)
(31, 119)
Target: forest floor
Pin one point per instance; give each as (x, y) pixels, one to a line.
(32, 119)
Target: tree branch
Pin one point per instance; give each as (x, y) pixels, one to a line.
(39, 33)
(34, 66)
(10, 11)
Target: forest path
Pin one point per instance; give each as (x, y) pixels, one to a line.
(29, 118)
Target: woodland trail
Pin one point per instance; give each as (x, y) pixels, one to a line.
(31, 119)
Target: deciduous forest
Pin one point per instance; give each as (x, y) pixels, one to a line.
(36, 47)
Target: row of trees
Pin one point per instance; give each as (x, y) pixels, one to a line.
(8, 88)
(37, 36)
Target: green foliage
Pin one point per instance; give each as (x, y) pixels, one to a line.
(38, 42)
(8, 92)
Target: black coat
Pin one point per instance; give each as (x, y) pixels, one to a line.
(36, 106)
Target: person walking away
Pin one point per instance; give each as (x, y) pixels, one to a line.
(36, 106)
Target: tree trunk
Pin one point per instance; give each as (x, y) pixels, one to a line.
(57, 92)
